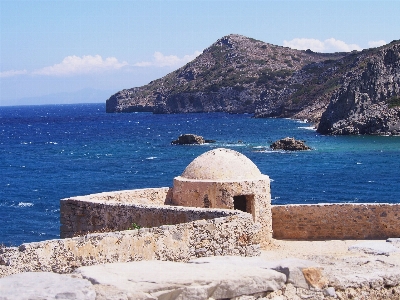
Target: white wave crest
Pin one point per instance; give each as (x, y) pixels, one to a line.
(307, 128)
(25, 204)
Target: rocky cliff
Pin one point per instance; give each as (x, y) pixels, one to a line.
(368, 100)
(347, 93)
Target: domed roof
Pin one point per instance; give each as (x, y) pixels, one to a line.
(221, 164)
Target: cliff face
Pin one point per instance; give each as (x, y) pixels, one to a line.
(346, 93)
(368, 100)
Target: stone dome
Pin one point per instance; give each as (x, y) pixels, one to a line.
(221, 164)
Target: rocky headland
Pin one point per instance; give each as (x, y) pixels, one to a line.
(368, 99)
(345, 93)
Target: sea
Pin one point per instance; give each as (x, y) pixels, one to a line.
(50, 152)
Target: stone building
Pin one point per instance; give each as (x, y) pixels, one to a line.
(224, 178)
(220, 179)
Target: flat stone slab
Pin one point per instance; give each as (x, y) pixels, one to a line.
(174, 280)
(394, 241)
(44, 285)
(291, 267)
(375, 248)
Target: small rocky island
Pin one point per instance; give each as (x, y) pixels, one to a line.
(289, 144)
(191, 139)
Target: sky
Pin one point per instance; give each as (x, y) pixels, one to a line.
(66, 46)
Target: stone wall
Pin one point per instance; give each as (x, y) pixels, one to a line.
(156, 196)
(230, 235)
(336, 221)
(81, 216)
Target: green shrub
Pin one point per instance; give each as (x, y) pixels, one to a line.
(134, 226)
(393, 101)
(239, 88)
(212, 88)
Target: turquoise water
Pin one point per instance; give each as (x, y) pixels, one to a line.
(56, 151)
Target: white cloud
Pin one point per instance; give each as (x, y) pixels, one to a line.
(328, 45)
(161, 60)
(12, 73)
(73, 65)
(373, 44)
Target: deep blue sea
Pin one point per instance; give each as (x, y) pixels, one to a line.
(52, 152)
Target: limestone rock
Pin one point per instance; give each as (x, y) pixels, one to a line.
(394, 241)
(45, 285)
(330, 292)
(289, 144)
(375, 248)
(291, 267)
(315, 278)
(173, 280)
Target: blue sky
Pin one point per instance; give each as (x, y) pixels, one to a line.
(58, 46)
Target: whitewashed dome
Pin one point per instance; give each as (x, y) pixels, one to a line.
(222, 164)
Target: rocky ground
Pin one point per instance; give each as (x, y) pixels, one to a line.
(285, 270)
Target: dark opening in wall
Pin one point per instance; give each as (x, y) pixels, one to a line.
(244, 203)
(240, 203)
(207, 203)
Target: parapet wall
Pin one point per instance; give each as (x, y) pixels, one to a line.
(155, 196)
(81, 217)
(336, 221)
(230, 235)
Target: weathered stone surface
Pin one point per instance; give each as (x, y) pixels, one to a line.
(290, 267)
(168, 280)
(351, 275)
(330, 292)
(394, 241)
(234, 234)
(222, 164)
(45, 285)
(349, 221)
(289, 144)
(375, 248)
(293, 269)
(315, 278)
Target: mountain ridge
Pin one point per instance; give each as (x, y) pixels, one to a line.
(237, 74)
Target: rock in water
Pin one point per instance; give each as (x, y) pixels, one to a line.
(289, 144)
(191, 139)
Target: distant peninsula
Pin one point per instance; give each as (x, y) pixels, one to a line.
(342, 93)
